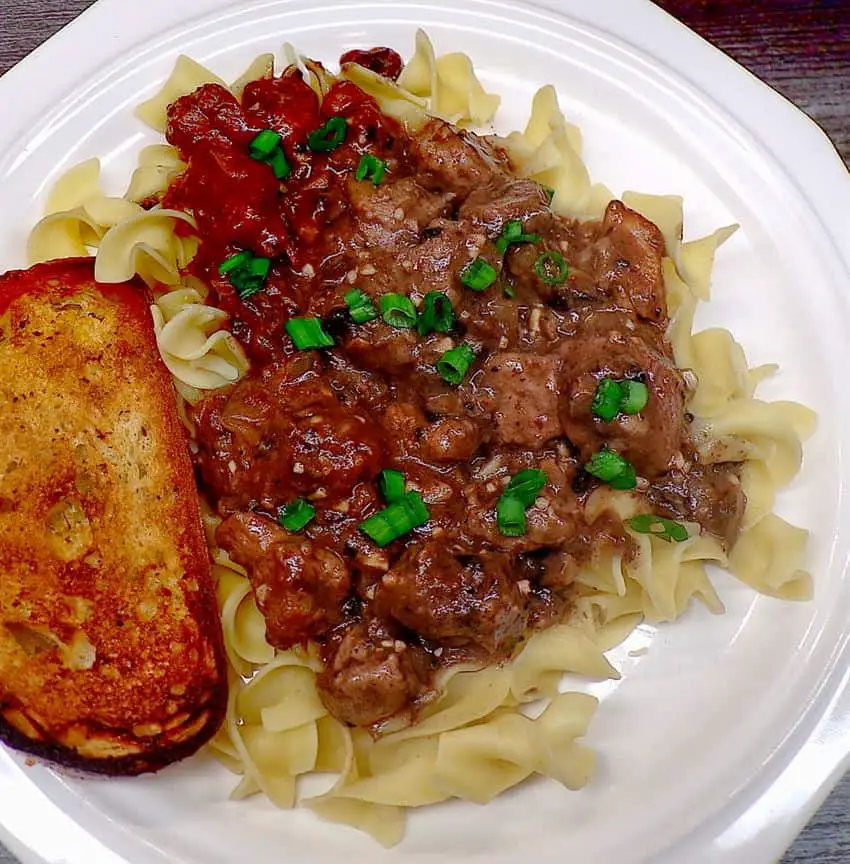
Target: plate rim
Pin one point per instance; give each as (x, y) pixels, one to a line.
(738, 91)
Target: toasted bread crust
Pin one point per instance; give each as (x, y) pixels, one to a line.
(111, 656)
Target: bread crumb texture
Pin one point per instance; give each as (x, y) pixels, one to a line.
(106, 605)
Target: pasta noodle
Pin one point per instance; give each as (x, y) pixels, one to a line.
(192, 343)
(261, 66)
(132, 241)
(475, 739)
(397, 102)
(159, 164)
(186, 76)
(450, 85)
(77, 216)
(146, 245)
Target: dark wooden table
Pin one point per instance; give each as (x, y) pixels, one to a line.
(800, 47)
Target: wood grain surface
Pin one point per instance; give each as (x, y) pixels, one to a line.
(799, 47)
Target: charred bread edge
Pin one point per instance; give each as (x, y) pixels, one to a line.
(130, 765)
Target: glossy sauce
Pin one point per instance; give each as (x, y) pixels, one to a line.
(322, 424)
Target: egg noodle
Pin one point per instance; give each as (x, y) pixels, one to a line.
(479, 738)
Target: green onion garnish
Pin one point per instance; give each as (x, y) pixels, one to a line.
(508, 290)
(512, 233)
(360, 306)
(520, 493)
(510, 516)
(549, 192)
(478, 275)
(455, 363)
(525, 486)
(398, 311)
(279, 165)
(635, 396)
(264, 145)
(308, 333)
(611, 468)
(329, 136)
(552, 268)
(391, 483)
(296, 515)
(612, 397)
(246, 272)
(666, 529)
(397, 519)
(240, 259)
(437, 315)
(607, 399)
(266, 148)
(372, 167)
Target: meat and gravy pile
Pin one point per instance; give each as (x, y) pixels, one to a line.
(424, 331)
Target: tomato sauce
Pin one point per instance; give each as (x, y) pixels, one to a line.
(240, 204)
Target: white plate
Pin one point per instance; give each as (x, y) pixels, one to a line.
(722, 740)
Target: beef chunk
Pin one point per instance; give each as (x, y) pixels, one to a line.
(650, 440)
(283, 434)
(553, 520)
(457, 161)
(369, 675)
(299, 585)
(501, 200)
(453, 601)
(520, 392)
(395, 212)
(451, 439)
(627, 259)
(380, 347)
(711, 495)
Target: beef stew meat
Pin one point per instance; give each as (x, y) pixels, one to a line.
(549, 308)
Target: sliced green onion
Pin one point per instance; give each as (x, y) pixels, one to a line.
(552, 268)
(606, 401)
(437, 315)
(626, 480)
(296, 515)
(266, 148)
(308, 333)
(259, 268)
(264, 145)
(513, 233)
(612, 397)
(360, 306)
(525, 486)
(611, 468)
(508, 290)
(455, 363)
(397, 519)
(520, 493)
(391, 483)
(251, 278)
(372, 167)
(246, 272)
(279, 164)
(549, 192)
(666, 529)
(398, 311)
(635, 396)
(478, 275)
(329, 136)
(510, 516)
(240, 259)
